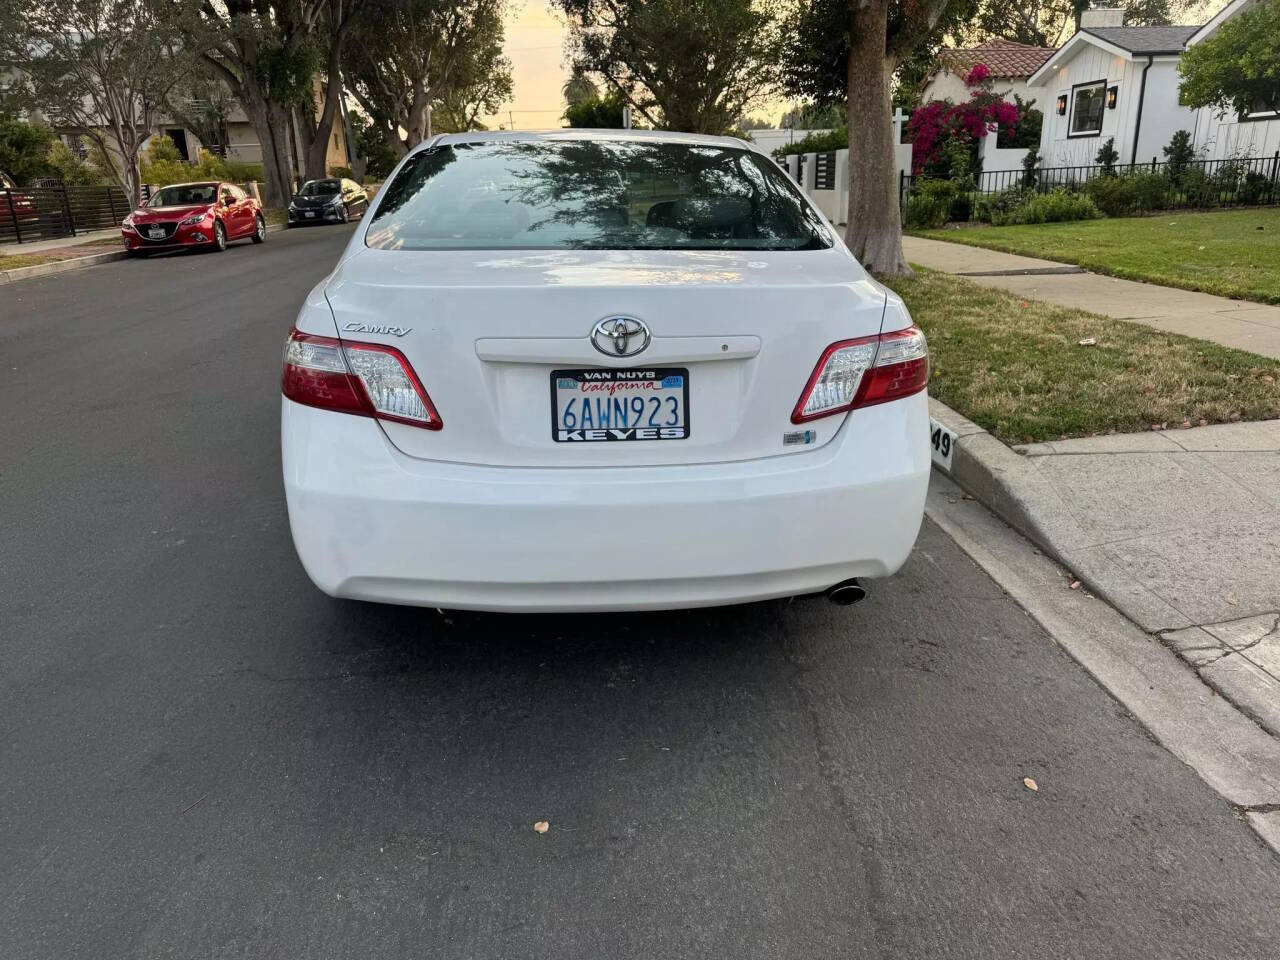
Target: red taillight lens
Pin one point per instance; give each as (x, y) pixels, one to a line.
(367, 379)
(863, 372)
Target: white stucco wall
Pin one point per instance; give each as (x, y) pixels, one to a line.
(947, 86)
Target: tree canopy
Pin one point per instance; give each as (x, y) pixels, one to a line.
(692, 65)
(1238, 66)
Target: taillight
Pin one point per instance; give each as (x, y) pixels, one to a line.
(367, 379)
(866, 371)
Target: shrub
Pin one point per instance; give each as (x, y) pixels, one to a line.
(1178, 154)
(1255, 189)
(341, 171)
(1030, 165)
(1107, 156)
(240, 171)
(823, 142)
(998, 205)
(1125, 195)
(70, 169)
(929, 204)
(1055, 207)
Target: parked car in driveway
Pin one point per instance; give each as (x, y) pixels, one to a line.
(333, 200)
(610, 370)
(194, 215)
(17, 212)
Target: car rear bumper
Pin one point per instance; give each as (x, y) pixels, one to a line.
(370, 523)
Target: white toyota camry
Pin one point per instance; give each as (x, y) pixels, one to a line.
(600, 371)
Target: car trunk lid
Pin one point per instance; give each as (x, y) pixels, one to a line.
(485, 330)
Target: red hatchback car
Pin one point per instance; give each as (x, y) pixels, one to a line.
(208, 215)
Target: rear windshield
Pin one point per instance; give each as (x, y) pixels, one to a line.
(590, 194)
(184, 196)
(320, 188)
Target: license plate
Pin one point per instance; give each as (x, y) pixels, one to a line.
(309, 213)
(645, 403)
(156, 233)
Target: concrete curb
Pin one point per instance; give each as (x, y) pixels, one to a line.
(1232, 754)
(79, 263)
(1224, 726)
(1012, 487)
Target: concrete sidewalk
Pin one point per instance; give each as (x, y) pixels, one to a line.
(59, 244)
(1179, 530)
(1242, 324)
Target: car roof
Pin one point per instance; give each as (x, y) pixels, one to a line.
(577, 133)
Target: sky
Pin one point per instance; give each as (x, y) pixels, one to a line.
(535, 46)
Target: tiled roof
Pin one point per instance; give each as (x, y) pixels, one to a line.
(1004, 58)
(1145, 40)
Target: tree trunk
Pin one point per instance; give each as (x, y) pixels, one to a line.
(874, 231)
(318, 153)
(271, 123)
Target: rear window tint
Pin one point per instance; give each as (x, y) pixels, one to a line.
(592, 194)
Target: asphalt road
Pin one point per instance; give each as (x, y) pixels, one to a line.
(203, 757)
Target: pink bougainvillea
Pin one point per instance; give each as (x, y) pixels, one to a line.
(940, 121)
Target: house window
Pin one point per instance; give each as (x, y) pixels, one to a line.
(1262, 110)
(1088, 100)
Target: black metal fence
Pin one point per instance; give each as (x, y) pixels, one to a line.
(40, 213)
(1165, 185)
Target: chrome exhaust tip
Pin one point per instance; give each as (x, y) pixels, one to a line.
(846, 592)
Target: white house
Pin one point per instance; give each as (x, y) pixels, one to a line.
(1115, 81)
(1223, 133)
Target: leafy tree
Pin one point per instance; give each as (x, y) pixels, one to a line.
(479, 85)
(24, 148)
(70, 169)
(371, 147)
(692, 65)
(102, 68)
(849, 51)
(1048, 23)
(1238, 66)
(409, 55)
(1026, 133)
(599, 113)
(1107, 156)
(826, 116)
(579, 87)
(265, 51)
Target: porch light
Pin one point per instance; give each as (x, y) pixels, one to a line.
(1112, 93)
(1062, 105)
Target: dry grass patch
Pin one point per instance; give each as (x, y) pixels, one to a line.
(1017, 367)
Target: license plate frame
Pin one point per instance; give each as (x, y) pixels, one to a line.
(155, 233)
(627, 375)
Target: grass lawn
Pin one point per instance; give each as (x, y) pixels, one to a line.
(1017, 367)
(1234, 253)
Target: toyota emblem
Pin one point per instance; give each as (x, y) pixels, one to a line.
(620, 336)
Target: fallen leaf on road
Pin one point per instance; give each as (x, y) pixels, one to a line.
(1030, 784)
(1089, 342)
(541, 826)
(1075, 584)
(1231, 599)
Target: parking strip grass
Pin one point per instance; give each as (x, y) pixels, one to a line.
(1018, 368)
(1232, 253)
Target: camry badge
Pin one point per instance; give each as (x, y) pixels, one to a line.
(620, 336)
(354, 327)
